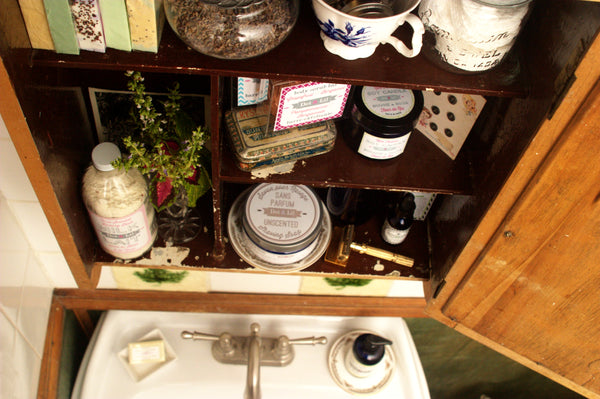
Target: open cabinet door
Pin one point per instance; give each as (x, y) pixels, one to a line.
(528, 282)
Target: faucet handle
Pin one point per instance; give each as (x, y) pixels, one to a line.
(308, 341)
(199, 336)
(225, 345)
(284, 352)
(284, 343)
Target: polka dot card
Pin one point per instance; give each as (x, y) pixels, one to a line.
(447, 118)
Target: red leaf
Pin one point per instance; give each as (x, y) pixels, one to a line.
(163, 190)
(170, 147)
(194, 177)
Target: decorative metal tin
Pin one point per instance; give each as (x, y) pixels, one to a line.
(282, 218)
(254, 146)
(270, 261)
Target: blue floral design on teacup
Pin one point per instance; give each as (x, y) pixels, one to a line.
(350, 36)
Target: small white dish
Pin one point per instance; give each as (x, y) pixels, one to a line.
(355, 385)
(142, 370)
(268, 261)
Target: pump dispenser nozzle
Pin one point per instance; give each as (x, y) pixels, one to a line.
(369, 349)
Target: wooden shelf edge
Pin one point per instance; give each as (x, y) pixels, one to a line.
(397, 71)
(250, 269)
(241, 303)
(359, 266)
(422, 167)
(50, 366)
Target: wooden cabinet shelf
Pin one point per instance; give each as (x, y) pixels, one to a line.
(301, 56)
(201, 257)
(422, 167)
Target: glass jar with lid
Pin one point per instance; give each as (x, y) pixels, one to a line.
(471, 36)
(383, 119)
(232, 29)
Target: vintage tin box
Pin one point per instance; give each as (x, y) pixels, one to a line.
(254, 145)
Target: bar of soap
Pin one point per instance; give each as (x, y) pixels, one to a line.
(146, 352)
(62, 29)
(88, 25)
(116, 24)
(36, 23)
(146, 22)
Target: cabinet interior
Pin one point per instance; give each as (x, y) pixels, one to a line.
(53, 93)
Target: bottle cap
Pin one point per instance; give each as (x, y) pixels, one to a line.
(103, 155)
(369, 349)
(408, 203)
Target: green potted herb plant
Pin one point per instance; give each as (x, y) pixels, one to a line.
(166, 147)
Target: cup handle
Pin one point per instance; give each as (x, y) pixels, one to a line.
(417, 38)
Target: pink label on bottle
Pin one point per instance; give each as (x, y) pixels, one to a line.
(123, 236)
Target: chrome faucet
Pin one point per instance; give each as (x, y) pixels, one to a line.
(254, 351)
(253, 375)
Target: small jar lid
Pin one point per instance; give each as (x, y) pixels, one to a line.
(387, 111)
(103, 154)
(282, 218)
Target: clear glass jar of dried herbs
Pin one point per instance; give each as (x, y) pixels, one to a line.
(232, 29)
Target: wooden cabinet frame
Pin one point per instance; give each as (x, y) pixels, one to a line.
(492, 235)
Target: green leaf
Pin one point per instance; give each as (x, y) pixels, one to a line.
(160, 276)
(184, 125)
(195, 191)
(346, 282)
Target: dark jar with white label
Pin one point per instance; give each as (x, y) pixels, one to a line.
(382, 120)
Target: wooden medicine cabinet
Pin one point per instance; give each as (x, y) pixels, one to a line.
(508, 253)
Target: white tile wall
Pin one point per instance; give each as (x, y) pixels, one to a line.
(29, 256)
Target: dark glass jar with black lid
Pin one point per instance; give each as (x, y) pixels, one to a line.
(382, 120)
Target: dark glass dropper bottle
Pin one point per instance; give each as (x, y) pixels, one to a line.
(399, 220)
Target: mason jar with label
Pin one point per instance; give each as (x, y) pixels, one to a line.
(471, 36)
(118, 205)
(383, 119)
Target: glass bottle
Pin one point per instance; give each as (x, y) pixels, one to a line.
(399, 220)
(118, 204)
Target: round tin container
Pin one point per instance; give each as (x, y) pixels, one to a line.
(282, 218)
(383, 119)
(271, 261)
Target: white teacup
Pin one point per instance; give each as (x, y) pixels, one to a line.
(351, 36)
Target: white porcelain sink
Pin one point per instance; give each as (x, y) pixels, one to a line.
(195, 374)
